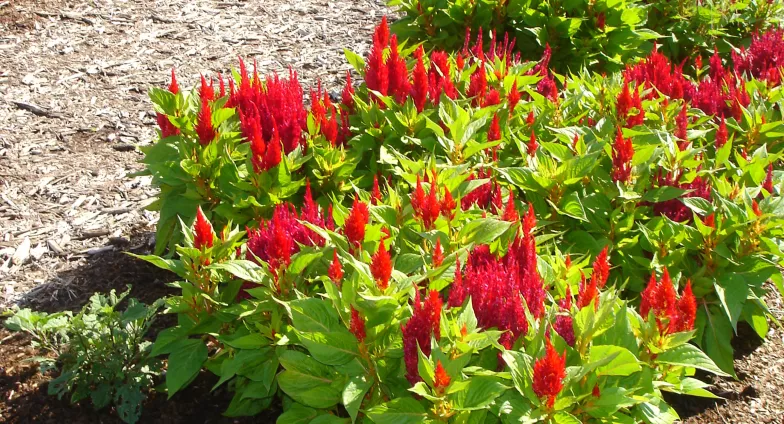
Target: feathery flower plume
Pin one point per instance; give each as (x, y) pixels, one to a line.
(721, 134)
(357, 326)
(494, 133)
(532, 145)
(204, 128)
(375, 195)
(622, 154)
(441, 379)
(564, 323)
(438, 254)
(549, 373)
(419, 90)
(601, 268)
(768, 183)
(354, 227)
(424, 322)
(381, 266)
(335, 271)
(203, 234)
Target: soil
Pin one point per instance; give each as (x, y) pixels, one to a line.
(73, 108)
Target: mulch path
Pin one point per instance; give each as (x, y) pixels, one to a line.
(73, 104)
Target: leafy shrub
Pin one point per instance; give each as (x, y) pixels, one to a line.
(100, 352)
(349, 277)
(603, 35)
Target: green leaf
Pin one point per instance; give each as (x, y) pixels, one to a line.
(482, 231)
(297, 414)
(480, 392)
(333, 348)
(184, 364)
(688, 355)
(354, 393)
(732, 290)
(403, 410)
(355, 61)
(623, 363)
(662, 194)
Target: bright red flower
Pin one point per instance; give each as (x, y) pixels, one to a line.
(622, 155)
(425, 321)
(399, 87)
(601, 268)
(493, 98)
(206, 91)
(448, 205)
(441, 380)
(549, 373)
(687, 310)
(438, 254)
(675, 209)
(510, 211)
(426, 208)
(530, 119)
(660, 297)
(513, 98)
(532, 145)
(564, 323)
(624, 103)
(755, 207)
(354, 227)
(203, 235)
(204, 128)
(167, 128)
(273, 154)
(381, 34)
(477, 87)
(710, 221)
(357, 326)
(588, 292)
(347, 96)
(335, 270)
(375, 195)
(381, 266)
(174, 88)
(440, 76)
(419, 90)
(596, 392)
(494, 133)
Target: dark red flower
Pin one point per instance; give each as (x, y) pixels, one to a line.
(768, 183)
(596, 392)
(601, 269)
(354, 227)
(513, 98)
(682, 124)
(203, 235)
(357, 326)
(381, 266)
(167, 128)
(494, 133)
(424, 322)
(564, 323)
(600, 21)
(335, 271)
(549, 373)
(721, 134)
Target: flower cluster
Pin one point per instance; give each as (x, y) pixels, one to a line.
(354, 227)
(427, 208)
(417, 331)
(622, 155)
(765, 57)
(672, 315)
(203, 235)
(674, 208)
(549, 373)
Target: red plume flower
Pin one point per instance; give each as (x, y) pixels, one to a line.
(513, 98)
(549, 373)
(357, 326)
(348, 93)
(687, 310)
(493, 98)
(203, 234)
(682, 124)
(721, 134)
(494, 133)
(174, 88)
(564, 323)
(660, 297)
(204, 128)
(510, 211)
(457, 293)
(477, 87)
(441, 380)
(755, 207)
(354, 227)
(206, 91)
(375, 195)
(588, 292)
(600, 21)
(533, 145)
(335, 271)
(425, 321)
(426, 208)
(448, 205)
(624, 103)
(399, 87)
(167, 128)
(438, 254)
(622, 154)
(530, 119)
(381, 266)
(419, 90)
(768, 183)
(273, 154)
(601, 268)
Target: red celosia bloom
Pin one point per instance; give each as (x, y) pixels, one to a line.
(601, 269)
(682, 124)
(513, 98)
(221, 85)
(376, 71)
(204, 128)
(477, 87)
(426, 208)
(510, 211)
(375, 195)
(438, 254)
(568, 261)
(710, 221)
(480, 196)
(448, 205)
(564, 323)
(494, 133)
(167, 128)
(425, 320)
(588, 293)
(768, 183)
(660, 298)
(440, 77)
(687, 310)
(600, 21)
(721, 134)
(460, 61)
(419, 90)
(624, 103)
(755, 207)
(354, 227)
(441, 379)
(381, 266)
(549, 373)
(674, 208)
(335, 270)
(347, 96)
(530, 119)
(206, 91)
(273, 154)
(203, 235)
(399, 87)
(622, 154)
(381, 35)
(174, 88)
(493, 98)
(357, 326)
(532, 145)
(596, 392)
(457, 293)
(418, 198)
(764, 58)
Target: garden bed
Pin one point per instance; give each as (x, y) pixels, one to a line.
(66, 184)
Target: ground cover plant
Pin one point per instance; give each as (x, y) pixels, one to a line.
(603, 35)
(412, 250)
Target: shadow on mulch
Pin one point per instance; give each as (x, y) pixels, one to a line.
(23, 390)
